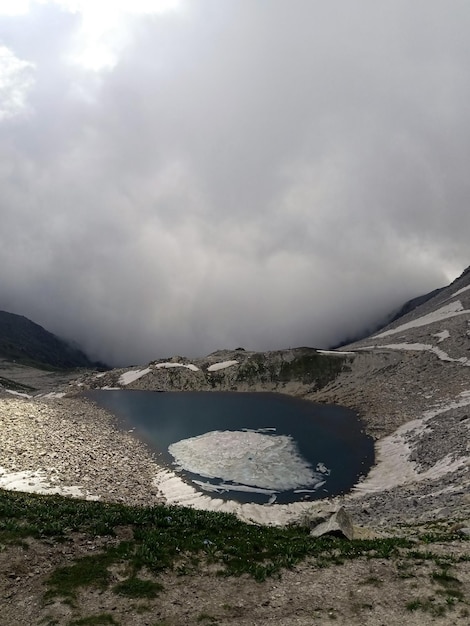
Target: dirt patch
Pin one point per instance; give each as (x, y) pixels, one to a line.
(365, 592)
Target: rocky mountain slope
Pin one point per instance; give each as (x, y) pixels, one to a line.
(27, 343)
(409, 381)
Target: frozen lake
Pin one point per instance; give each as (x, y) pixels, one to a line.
(249, 447)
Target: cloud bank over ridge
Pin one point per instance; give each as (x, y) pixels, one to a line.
(224, 174)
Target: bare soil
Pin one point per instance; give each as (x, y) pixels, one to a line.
(364, 592)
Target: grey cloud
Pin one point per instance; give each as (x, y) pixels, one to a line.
(257, 174)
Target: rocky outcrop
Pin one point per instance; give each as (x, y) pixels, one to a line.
(339, 524)
(295, 371)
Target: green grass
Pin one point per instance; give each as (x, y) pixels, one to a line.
(427, 605)
(86, 571)
(137, 588)
(446, 597)
(95, 620)
(182, 540)
(307, 366)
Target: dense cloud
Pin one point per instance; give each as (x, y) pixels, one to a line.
(257, 174)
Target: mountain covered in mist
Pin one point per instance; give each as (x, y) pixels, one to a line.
(434, 330)
(307, 369)
(27, 343)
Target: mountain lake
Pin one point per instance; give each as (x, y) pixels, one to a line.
(250, 447)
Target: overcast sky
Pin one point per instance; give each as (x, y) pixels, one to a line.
(182, 176)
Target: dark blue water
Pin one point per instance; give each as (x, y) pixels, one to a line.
(329, 435)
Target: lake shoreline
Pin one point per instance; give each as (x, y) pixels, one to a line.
(73, 443)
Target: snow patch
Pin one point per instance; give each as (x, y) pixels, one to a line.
(422, 347)
(333, 352)
(188, 366)
(176, 492)
(450, 310)
(17, 393)
(35, 482)
(129, 377)
(53, 394)
(444, 334)
(221, 366)
(393, 466)
(457, 293)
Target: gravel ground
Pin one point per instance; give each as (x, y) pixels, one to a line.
(75, 443)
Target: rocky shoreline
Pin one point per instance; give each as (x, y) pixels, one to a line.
(74, 444)
(409, 383)
(78, 449)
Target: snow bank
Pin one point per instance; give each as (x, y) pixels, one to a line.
(221, 366)
(457, 293)
(422, 347)
(333, 352)
(188, 366)
(17, 393)
(393, 466)
(129, 377)
(450, 310)
(53, 394)
(177, 492)
(444, 334)
(35, 482)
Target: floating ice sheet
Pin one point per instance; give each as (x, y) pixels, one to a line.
(255, 459)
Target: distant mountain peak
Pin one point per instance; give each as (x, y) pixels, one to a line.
(26, 342)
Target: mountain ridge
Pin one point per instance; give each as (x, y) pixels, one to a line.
(25, 342)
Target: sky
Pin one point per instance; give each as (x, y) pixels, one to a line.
(182, 176)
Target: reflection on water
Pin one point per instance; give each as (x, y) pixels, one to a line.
(251, 447)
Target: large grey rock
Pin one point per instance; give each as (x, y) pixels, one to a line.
(339, 524)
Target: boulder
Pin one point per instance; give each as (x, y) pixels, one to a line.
(338, 524)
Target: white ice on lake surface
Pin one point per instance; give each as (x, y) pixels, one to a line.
(249, 458)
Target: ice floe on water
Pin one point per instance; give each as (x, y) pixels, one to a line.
(252, 460)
